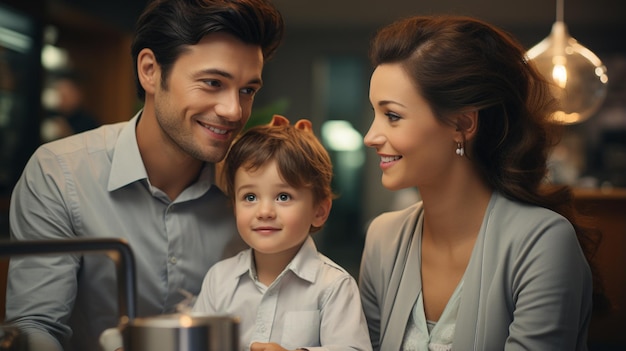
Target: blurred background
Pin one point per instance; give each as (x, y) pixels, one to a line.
(321, 72)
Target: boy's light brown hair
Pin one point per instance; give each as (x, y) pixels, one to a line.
(302, 160)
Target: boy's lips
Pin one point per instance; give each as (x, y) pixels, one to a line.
(265, 229)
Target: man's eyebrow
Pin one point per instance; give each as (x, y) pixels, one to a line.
(226, 74)
(216, 71)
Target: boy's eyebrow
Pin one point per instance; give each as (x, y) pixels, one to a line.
(251, 186)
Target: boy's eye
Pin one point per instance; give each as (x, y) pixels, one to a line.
(249, 197)
(283, 197)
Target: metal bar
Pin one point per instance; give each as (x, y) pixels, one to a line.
(117, 250)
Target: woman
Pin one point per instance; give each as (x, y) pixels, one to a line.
(491, 258)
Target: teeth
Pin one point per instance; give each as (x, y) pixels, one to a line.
(218, 131)
(389, 158)
(215, 130)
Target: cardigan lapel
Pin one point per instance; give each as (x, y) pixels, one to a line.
(471, 307)
(406, 281)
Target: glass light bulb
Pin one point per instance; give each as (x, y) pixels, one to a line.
(579, 77)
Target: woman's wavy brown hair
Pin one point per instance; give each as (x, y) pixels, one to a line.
(458, 62)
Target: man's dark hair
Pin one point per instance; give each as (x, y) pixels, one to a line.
(168, 26)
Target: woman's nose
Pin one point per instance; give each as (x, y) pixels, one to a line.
(373, 138)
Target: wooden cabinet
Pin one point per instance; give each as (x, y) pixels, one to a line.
(608, 210)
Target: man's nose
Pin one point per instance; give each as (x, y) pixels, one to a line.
(229, 107)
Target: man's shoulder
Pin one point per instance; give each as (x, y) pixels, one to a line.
(89, 142)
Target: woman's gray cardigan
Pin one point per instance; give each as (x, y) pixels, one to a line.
(527, 285)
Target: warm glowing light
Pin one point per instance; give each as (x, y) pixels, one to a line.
(579, 77)
(566, 118)
(185, 321)
(559, 75)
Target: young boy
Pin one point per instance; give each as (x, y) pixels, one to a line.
(286, 294)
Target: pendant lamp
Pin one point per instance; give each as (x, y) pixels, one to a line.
(579, 78)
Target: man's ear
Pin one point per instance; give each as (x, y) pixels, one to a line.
(321, 212)
(148, 70)
(467, 124)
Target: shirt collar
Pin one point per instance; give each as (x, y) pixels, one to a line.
(306, 264)
(126, 165)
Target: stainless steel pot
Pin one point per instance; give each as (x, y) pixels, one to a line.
(182, 332)
(173, 332)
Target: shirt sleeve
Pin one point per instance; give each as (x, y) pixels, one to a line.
(551, 292)
(342, 323)
(41, 289)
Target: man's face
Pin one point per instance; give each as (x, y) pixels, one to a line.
(207, 97)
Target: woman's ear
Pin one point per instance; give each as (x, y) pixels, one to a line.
(467, 124)
(148, 70)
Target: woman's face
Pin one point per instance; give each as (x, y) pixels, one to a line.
(415, 148)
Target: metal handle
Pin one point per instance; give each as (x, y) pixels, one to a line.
(116, 249)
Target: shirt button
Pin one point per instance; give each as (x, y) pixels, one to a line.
(173, 260)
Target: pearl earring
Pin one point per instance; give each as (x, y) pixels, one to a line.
(460, 150)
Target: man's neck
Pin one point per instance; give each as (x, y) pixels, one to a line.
(168, 167)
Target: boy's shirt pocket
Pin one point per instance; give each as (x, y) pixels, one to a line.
(300, 329)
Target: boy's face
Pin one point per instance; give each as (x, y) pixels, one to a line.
(272, 216)
(207, 96)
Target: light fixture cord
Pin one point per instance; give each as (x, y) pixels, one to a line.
(560, 10)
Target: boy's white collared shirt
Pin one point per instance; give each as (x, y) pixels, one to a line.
(313, 302)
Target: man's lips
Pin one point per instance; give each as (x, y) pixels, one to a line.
(217, 130)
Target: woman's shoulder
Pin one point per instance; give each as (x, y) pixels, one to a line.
(391, 229)
(514, 221)
(514, 212)
(396, 218)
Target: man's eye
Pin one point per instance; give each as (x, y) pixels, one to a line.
(283, 197)
(248, 91)
(212, 83)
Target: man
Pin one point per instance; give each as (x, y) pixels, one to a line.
(149, 180)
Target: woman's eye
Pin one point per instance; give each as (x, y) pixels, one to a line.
(249, 197)
(392, 116)
(283, 197)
